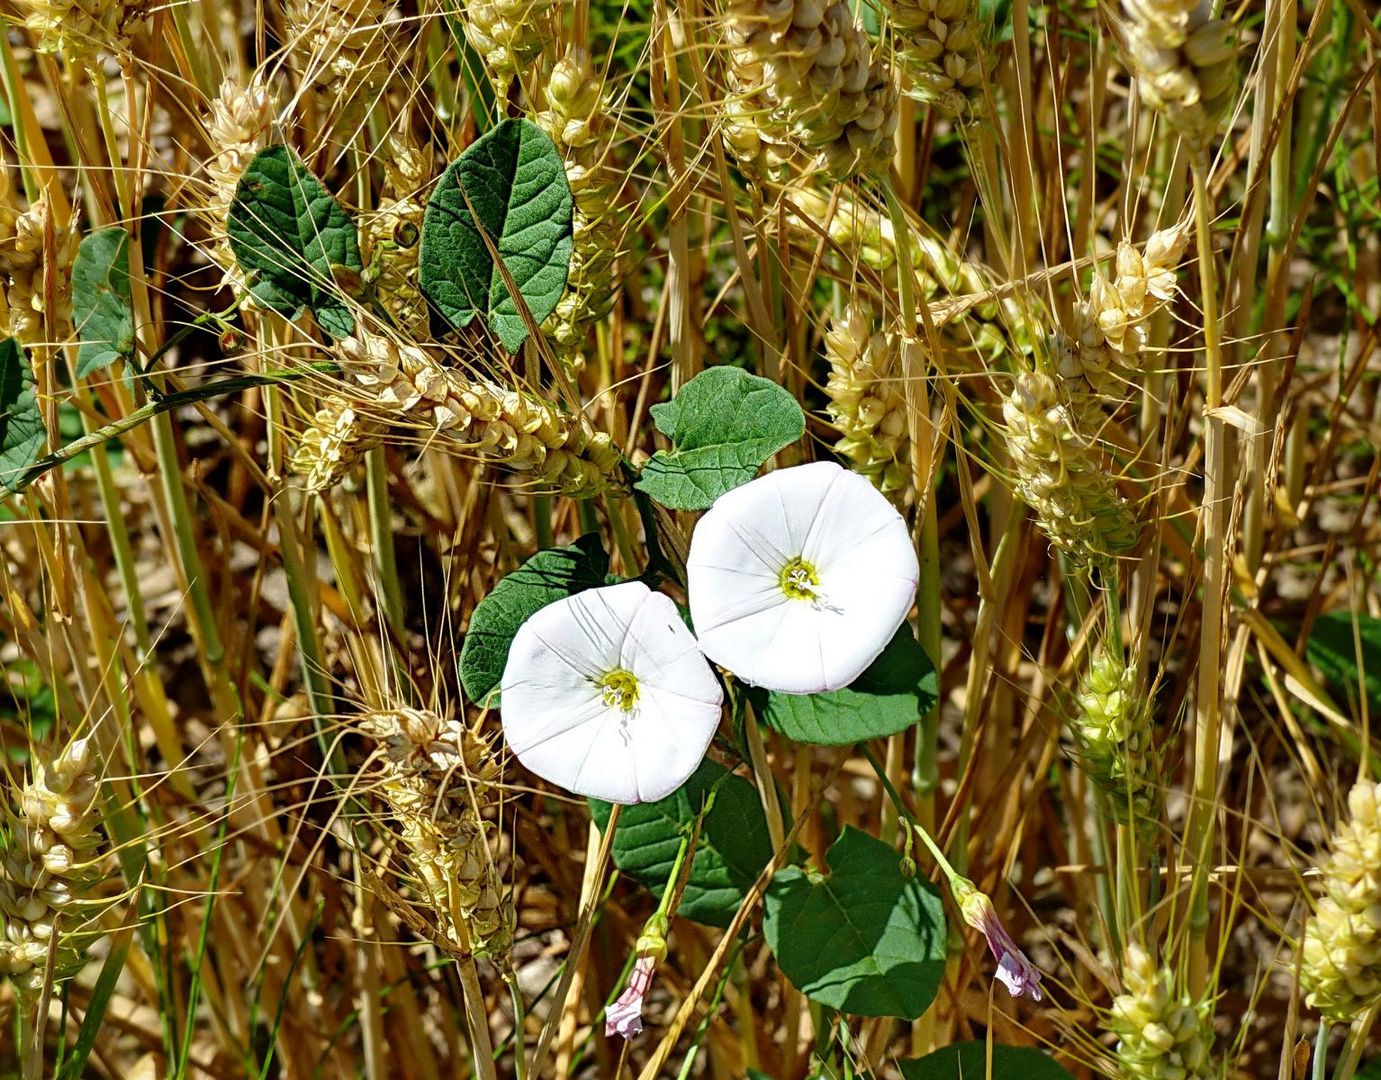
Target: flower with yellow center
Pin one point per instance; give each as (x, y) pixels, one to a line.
(606, 695)
(799, 579)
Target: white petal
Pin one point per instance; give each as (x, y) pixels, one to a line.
(661, 652)
(670, 736)
(861, 550)
(555, 717)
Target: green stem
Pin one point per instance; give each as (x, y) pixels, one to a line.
(541, 515)
(1356, 1043)
(515, 993)
(925, 776)
(1320, 1069)
(623, 540)
(1103, 850)
(1207, 706)
(153, 410)
(381, 537)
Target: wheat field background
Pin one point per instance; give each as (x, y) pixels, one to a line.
(1089, 290)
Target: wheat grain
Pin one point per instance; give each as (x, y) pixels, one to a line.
(1342, 944)
(1062, 477)
(1111, 725)
(477, 417)
(438, 777)
(1161, 1034)
(50, 866)
(867, 402)
(577, 120)
(1184, 61)
(942, 53)
(806, 79)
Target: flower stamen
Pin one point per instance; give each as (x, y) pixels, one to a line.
(800, 581)
(620, 689)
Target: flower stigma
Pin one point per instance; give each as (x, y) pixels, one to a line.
(799, 580)
(620, 688)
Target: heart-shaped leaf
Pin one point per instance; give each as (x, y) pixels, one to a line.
(21, 423)
(100, 300)
(543, 579)
(515, 181)
(887, 698)
(1334, 651)
(722, 425)
(730, 854)
(288, 234)
(971, 1061)
(866, 940)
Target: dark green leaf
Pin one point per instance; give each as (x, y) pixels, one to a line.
(969, 1061)
(733, 846)
(287, 232)
(100, 300)
(996, 16)
(887, 698)
(21, 424)
(515, 180)
(546, 577)
(1333, 649)
(866, 940)
(722, 425)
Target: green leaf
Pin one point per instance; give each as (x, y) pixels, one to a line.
(866, 940)
(516, 182)
(287, 232)
(733, 846)
(887, 698)
(546, 577)
(969, 1061)
(869, 16)
(722, 425)
(100, 300)
(1333, 649)
(21, 424)
(118, 948)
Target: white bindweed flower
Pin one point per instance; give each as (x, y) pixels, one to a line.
(606, 694)
(800, 578)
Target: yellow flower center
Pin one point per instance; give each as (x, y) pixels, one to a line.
(620, 689)
(799, 580)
